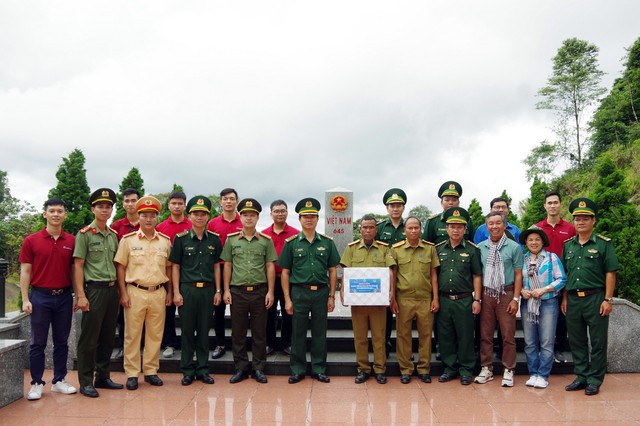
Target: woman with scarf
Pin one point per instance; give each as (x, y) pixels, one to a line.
(544, 277)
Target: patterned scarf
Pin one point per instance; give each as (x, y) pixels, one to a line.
(494, 276)
(533, 304)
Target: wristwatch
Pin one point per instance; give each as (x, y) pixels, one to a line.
(516, 299)
(608, 299)
(478, 300)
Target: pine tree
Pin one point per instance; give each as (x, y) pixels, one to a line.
(512, 217)
(475, 211)
(533, 208)
(132, 180)
(72, 187)
(618, 219)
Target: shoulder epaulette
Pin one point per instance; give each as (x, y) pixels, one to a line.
(326, 236)
(164, 235)
(440, 243)
(399, 244)
(428, 242)
(382, 243)
(112, 230)
(130, 234)
(472, 244)
(380, 221)
(211, 232)
(233, 234)
(183, 233)
(85, 229)
(291, 238)
(567, 240)
(434, 216)
(264, 235)
(603, 237)
(352, 243)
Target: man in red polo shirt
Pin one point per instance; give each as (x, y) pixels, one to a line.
(558, 230)
(177, 222)
(279, 231)
(46, 260)
(129, 223)
(227, 223)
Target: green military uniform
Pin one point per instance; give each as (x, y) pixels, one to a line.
(587, 265)
(413, 295)
(435, 230)
(363, 318)
(98, 332)
(196, 258)
(389, 234)
(308, 263)
(455, 320)
(249, 286)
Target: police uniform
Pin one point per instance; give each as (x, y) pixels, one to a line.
(97, 248)
(308, 263)
(435, 229)
(587, 265)
(413, 295)
(365, 318)
(389, 234)
(249, 281)
(196, 257)
(455, 320)
(145, 262)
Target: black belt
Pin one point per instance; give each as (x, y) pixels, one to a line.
(101, 283)
(585, 293)
(147, 287)
(455, 296)
(51, 291)
(198, 284)
(312, 287)
(249, 287)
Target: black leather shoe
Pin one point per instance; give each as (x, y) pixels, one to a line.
(218, 352)
(153, 380)
(592, 390)
(287, 350)
(89, 391)
(107, 384)
(238, 377)
(466, 380)
(361, 377)
(132, 383)
(259, 376)
(405, 378)
(295, 378)
(381, 378)
(119, 354)
(446, 377)
(575, 386)
(187, 380)
(426, 378)
(270, 350)
(206, 379)
(322, 378)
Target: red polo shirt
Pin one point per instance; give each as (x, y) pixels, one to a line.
(124, 227)
(50, 259)
(171, 228)
(279, 239)
(224, 227)
(557, 234)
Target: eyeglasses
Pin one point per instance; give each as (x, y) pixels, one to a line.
(279, 211)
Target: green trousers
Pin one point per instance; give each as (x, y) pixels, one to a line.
(456, 328)
(195, 317)
(305, 302)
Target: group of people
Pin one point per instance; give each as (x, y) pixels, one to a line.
(437, 275)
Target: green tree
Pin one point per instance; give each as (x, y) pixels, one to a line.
(511, 217)
(9, 206)
(164, 200)
(541, 162)
(572, 88)
(356, 224)
(618, 220)
(132, 180)
(422, 212)
(72, 187)
(533, 207)
(475, 212)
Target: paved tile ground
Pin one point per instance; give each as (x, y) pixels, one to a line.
(339, 402)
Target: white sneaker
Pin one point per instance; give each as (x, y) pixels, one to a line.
(541, 383)
(485, 376)
(63, 387)
(35, 392)
(532, 381)
(507, 378)
(168, 352)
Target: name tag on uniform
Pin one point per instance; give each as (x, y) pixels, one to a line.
(464, 254)
(136, 248)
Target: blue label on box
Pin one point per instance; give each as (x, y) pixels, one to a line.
(364, 285)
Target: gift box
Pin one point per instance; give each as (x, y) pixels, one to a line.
(366, 286)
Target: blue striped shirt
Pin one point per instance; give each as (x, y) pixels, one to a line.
(551, 272)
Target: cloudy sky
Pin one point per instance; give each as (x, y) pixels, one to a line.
(286, 99)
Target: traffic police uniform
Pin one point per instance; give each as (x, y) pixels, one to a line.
(308, 263)
(145, 261)
(455, 320)
(196, 258)
(98, 332)
(365, 318)
(249, 285)
(586, 266)
(435, 229)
